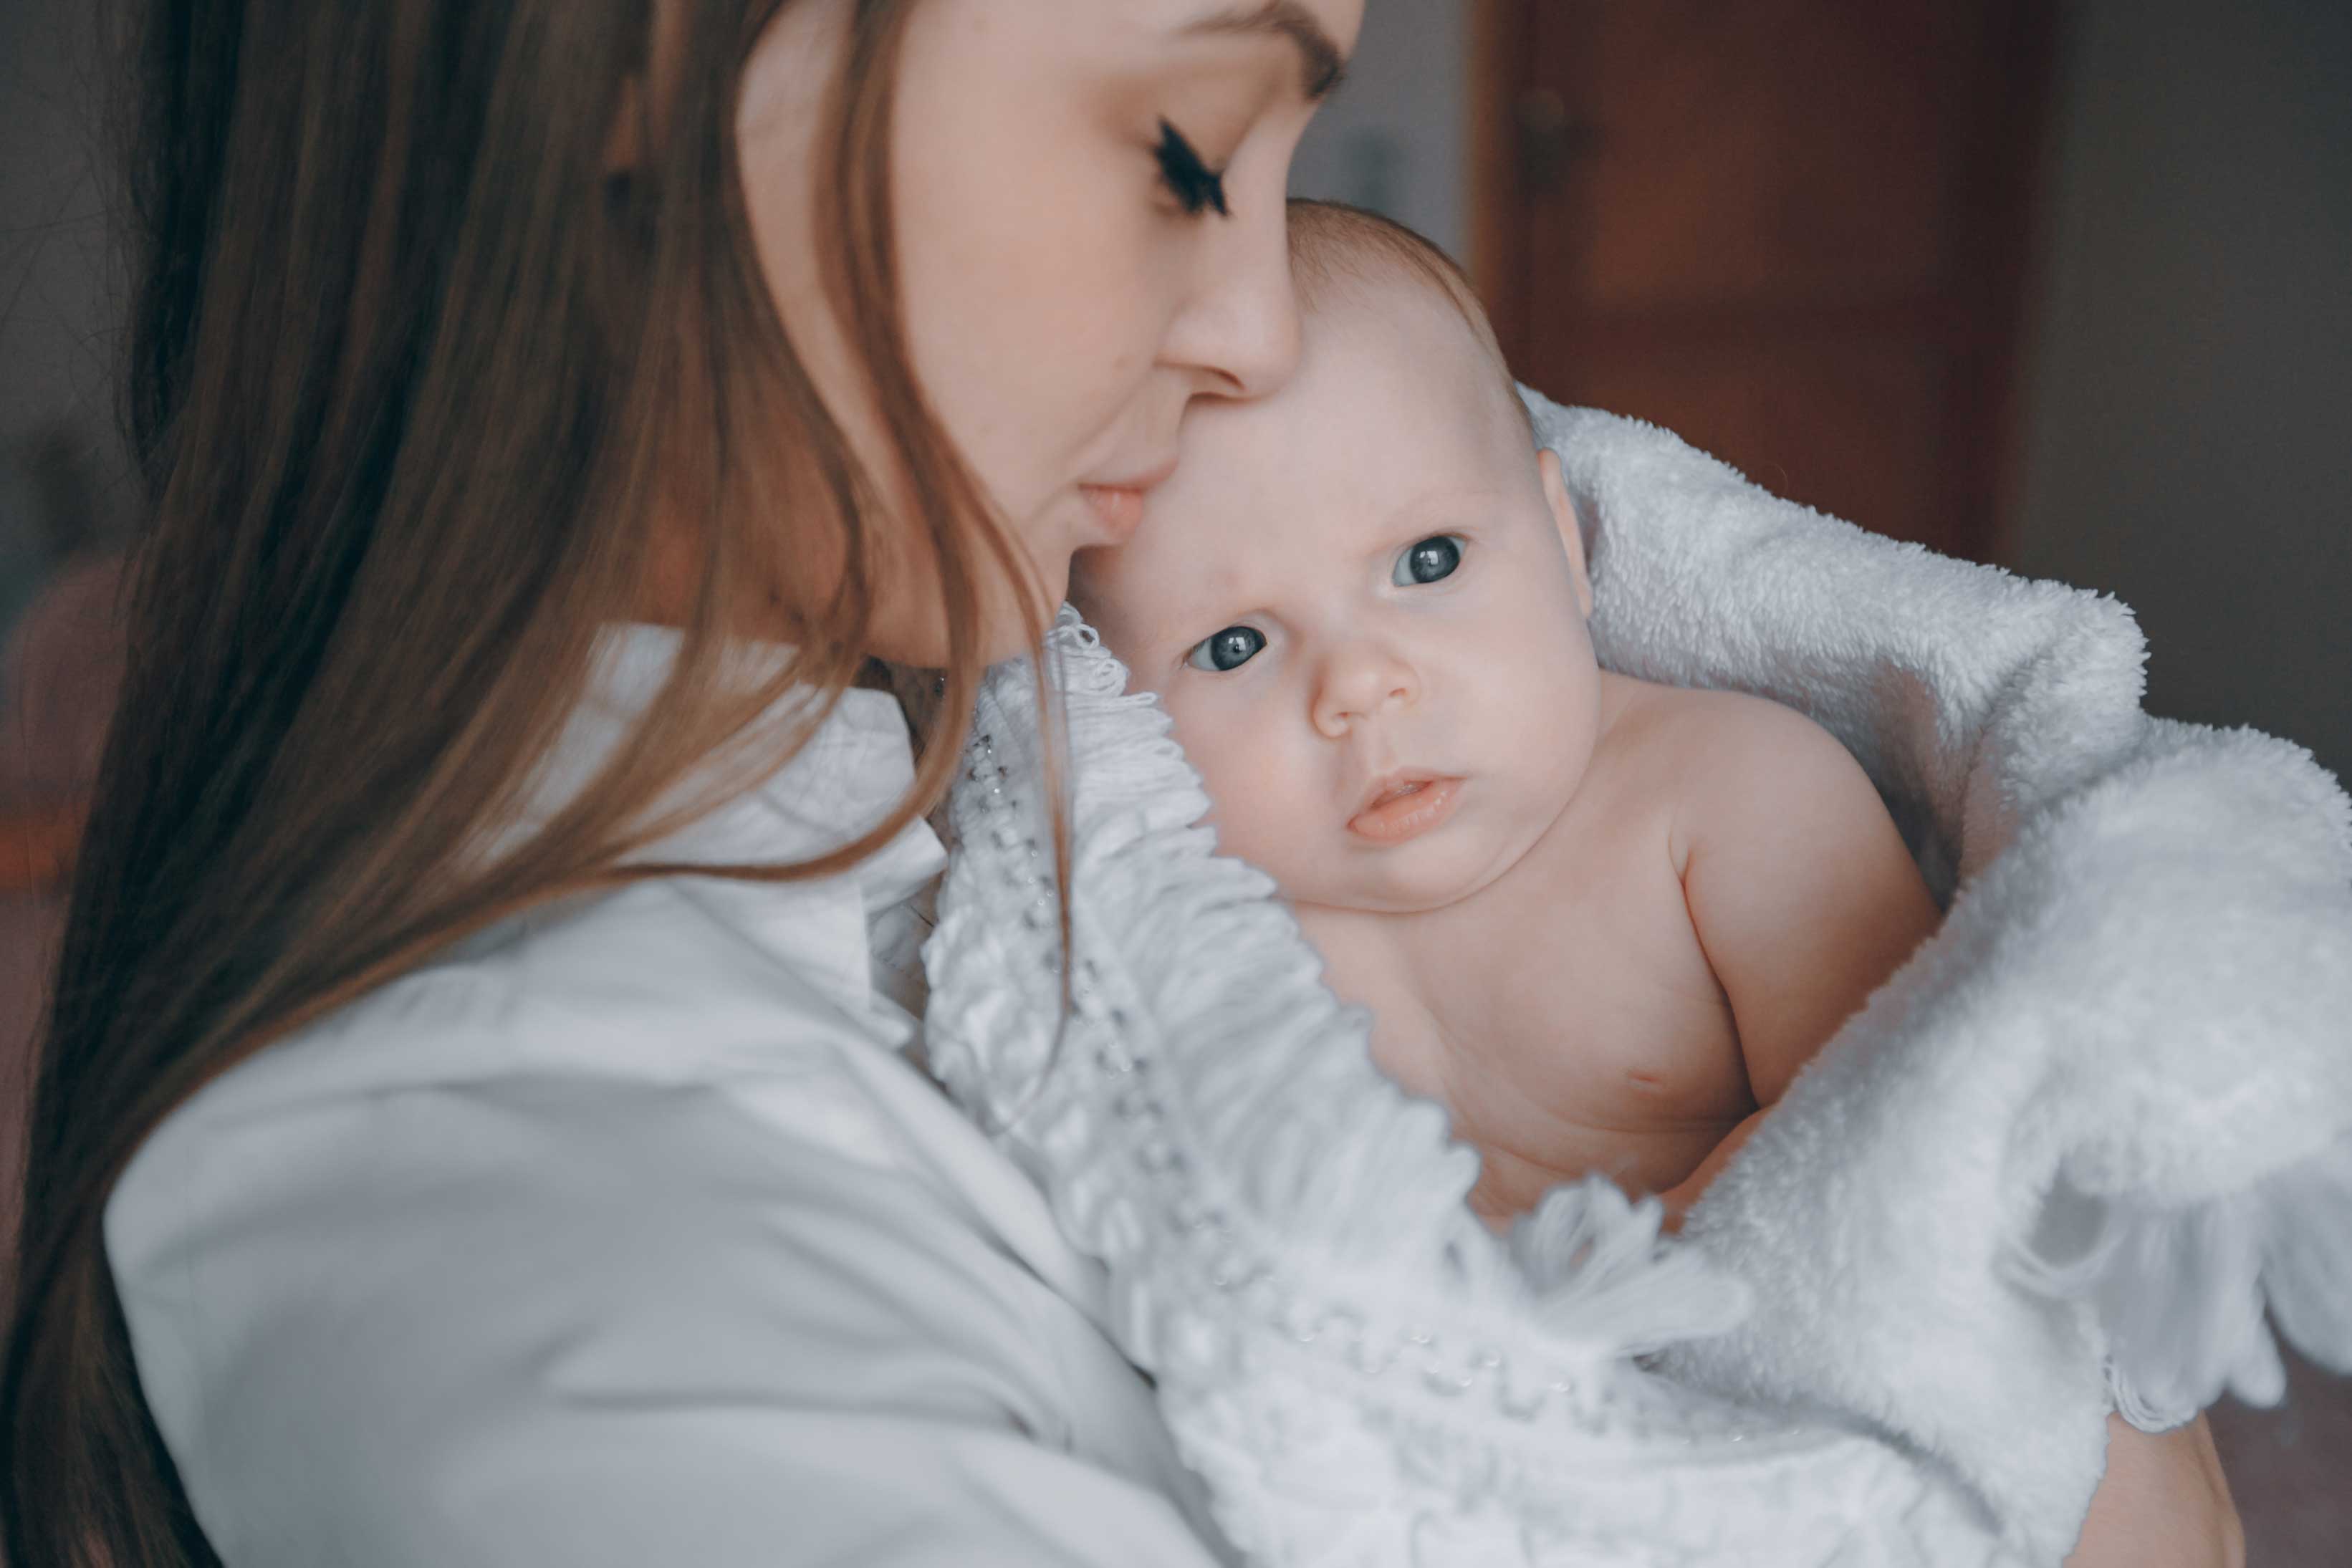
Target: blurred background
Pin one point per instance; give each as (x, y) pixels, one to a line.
(2061, 285)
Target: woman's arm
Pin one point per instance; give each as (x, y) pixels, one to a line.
(2163, 1503)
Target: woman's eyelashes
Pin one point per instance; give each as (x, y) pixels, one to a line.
(1196, 186)
(1227, 650)
(1431, 560)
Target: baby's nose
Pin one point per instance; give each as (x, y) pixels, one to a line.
(1360, 683)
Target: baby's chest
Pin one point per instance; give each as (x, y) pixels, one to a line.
(1586, 998)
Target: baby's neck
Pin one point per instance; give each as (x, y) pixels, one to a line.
(1564, 1012)
(1398, 959)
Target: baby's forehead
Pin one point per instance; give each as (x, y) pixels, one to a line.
(1398, 415)
(1398, 315)
(1394, 366)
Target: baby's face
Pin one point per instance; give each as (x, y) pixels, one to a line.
(1363, 602)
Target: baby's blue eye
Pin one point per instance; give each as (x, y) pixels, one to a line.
(1428, 561)
(1227, 650)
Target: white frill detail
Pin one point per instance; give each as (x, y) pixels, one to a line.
(2182, 1291)
(1361, 1371)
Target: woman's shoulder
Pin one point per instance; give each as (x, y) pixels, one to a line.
(619, 1151)
(737, 998)
(675, 979)
(349, 1310)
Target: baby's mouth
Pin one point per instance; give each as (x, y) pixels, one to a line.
(1405, 806)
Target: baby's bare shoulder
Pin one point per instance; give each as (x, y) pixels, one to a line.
(1701, 735)
(1717, 758)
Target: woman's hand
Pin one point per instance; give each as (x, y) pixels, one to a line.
(2163, 1503)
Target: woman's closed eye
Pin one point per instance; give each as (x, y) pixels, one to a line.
(1430, 560)
(1196, 186)
(1229, 649)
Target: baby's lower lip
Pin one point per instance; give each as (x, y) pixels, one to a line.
(1393, 819)
(1118, 507)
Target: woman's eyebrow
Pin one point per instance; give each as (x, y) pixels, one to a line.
(1321, 63)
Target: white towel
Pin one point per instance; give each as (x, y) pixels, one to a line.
(2130, 1045)
(2117, 1079)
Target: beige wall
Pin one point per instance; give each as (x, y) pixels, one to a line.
(1393, 139)
(2188, 441)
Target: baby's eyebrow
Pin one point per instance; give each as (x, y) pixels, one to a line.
(1454, 501)
(1182, 625)
(1143, 627)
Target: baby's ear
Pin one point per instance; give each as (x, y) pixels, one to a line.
(1563, 516)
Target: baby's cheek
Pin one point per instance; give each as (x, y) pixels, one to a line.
(1249, 826)
(1253, 799)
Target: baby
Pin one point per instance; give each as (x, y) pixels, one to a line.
(1603, 921)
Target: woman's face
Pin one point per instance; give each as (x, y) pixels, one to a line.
(1088, 197)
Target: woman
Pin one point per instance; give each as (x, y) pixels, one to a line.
(473, 1125)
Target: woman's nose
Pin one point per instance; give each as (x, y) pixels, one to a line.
(1238, 336)
(1359, 683)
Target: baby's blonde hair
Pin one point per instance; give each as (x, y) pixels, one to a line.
(1333, 246)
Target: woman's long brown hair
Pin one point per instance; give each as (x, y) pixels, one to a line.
(412, 375)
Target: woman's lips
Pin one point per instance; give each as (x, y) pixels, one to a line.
(1118, 498)
(1119, 507)
(1407, 810)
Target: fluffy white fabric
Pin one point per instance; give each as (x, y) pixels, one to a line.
(2061, 1160)
(2121, 1076)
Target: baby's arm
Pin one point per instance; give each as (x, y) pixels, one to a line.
(1799, 886)
(1805, 900)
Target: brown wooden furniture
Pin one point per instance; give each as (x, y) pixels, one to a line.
(1794, 232)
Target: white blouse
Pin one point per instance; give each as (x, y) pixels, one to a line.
(627, 1234)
